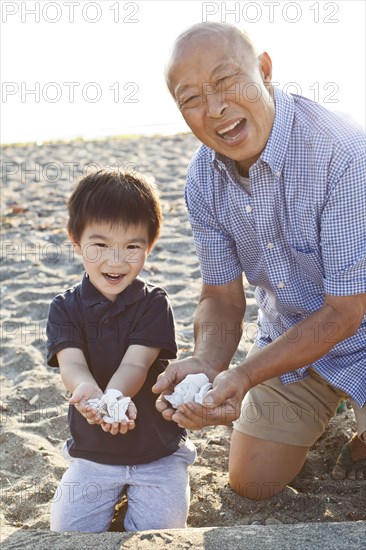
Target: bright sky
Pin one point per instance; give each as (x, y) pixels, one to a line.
(83, 68)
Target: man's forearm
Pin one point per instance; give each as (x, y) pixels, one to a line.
(217, 330)
(301, 345)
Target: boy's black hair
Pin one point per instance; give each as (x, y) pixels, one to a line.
(114, 197)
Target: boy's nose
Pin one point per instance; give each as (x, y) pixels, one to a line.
(117, 256)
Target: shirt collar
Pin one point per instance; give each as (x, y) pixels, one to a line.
(91, 295)
(276, 147)
(275, 150)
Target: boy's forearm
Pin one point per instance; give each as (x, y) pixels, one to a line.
(129, 379)
(74, 374)
(131, 374)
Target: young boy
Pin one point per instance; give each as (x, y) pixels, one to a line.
(115, 332)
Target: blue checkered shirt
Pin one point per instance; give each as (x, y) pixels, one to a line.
(298, 235)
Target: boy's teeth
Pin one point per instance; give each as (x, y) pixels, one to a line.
(231, 127)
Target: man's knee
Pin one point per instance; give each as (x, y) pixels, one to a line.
(259, 469)
(254, 490)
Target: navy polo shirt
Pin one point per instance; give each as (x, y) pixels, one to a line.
(83, 318)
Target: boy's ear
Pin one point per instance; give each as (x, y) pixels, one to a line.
(75, 244)
(151, 246)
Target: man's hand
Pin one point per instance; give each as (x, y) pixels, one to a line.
(222, 404)
(173, 374)
(82, 393)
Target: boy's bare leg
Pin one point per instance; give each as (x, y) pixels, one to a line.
(258, 469)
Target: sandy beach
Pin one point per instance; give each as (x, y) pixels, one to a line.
(38, 263)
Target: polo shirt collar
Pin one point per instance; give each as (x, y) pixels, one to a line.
(91, 295)
(275, 150)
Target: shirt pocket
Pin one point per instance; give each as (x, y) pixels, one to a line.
(309, 263)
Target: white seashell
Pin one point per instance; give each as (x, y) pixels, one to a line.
(112, 406)
(200, 396)
(197, 379)
(111, 394)
(109, 398)
(117, 410)
(187, 390)
(93, 403)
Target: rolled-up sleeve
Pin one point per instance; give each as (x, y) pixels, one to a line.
(343, 233)
(216, 250)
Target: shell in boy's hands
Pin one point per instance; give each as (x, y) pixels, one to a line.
(112, 406)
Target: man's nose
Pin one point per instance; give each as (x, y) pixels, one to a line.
(216, 103)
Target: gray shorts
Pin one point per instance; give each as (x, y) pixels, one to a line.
(294, 414)
(158, 494)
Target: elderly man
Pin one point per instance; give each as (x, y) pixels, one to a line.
(277, 192)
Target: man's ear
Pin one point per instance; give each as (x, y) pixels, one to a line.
(265, 67)
(75, 244)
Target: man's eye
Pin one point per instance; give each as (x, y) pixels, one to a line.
(227, 77)
(189, 101)
(224, 78)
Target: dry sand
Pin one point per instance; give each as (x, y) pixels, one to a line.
(38, 263)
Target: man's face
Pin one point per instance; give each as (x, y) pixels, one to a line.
(220, 91)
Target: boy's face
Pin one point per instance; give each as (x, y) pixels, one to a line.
(113, 256)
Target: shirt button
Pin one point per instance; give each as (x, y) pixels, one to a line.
(281, 284)
(278, 174)
(270, 246)
(248, 208)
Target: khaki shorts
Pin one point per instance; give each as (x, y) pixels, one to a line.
(294, 414)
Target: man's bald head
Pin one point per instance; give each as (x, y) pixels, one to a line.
(196, 36)
(223, 90)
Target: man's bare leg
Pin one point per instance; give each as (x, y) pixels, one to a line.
(258, 469)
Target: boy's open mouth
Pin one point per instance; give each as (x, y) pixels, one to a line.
(113, 277)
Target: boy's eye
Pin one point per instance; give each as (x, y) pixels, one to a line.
(132, 246)
(101, 245)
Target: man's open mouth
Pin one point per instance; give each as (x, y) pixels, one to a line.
(232, 131)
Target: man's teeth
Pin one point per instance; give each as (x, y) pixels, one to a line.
(228, 128)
